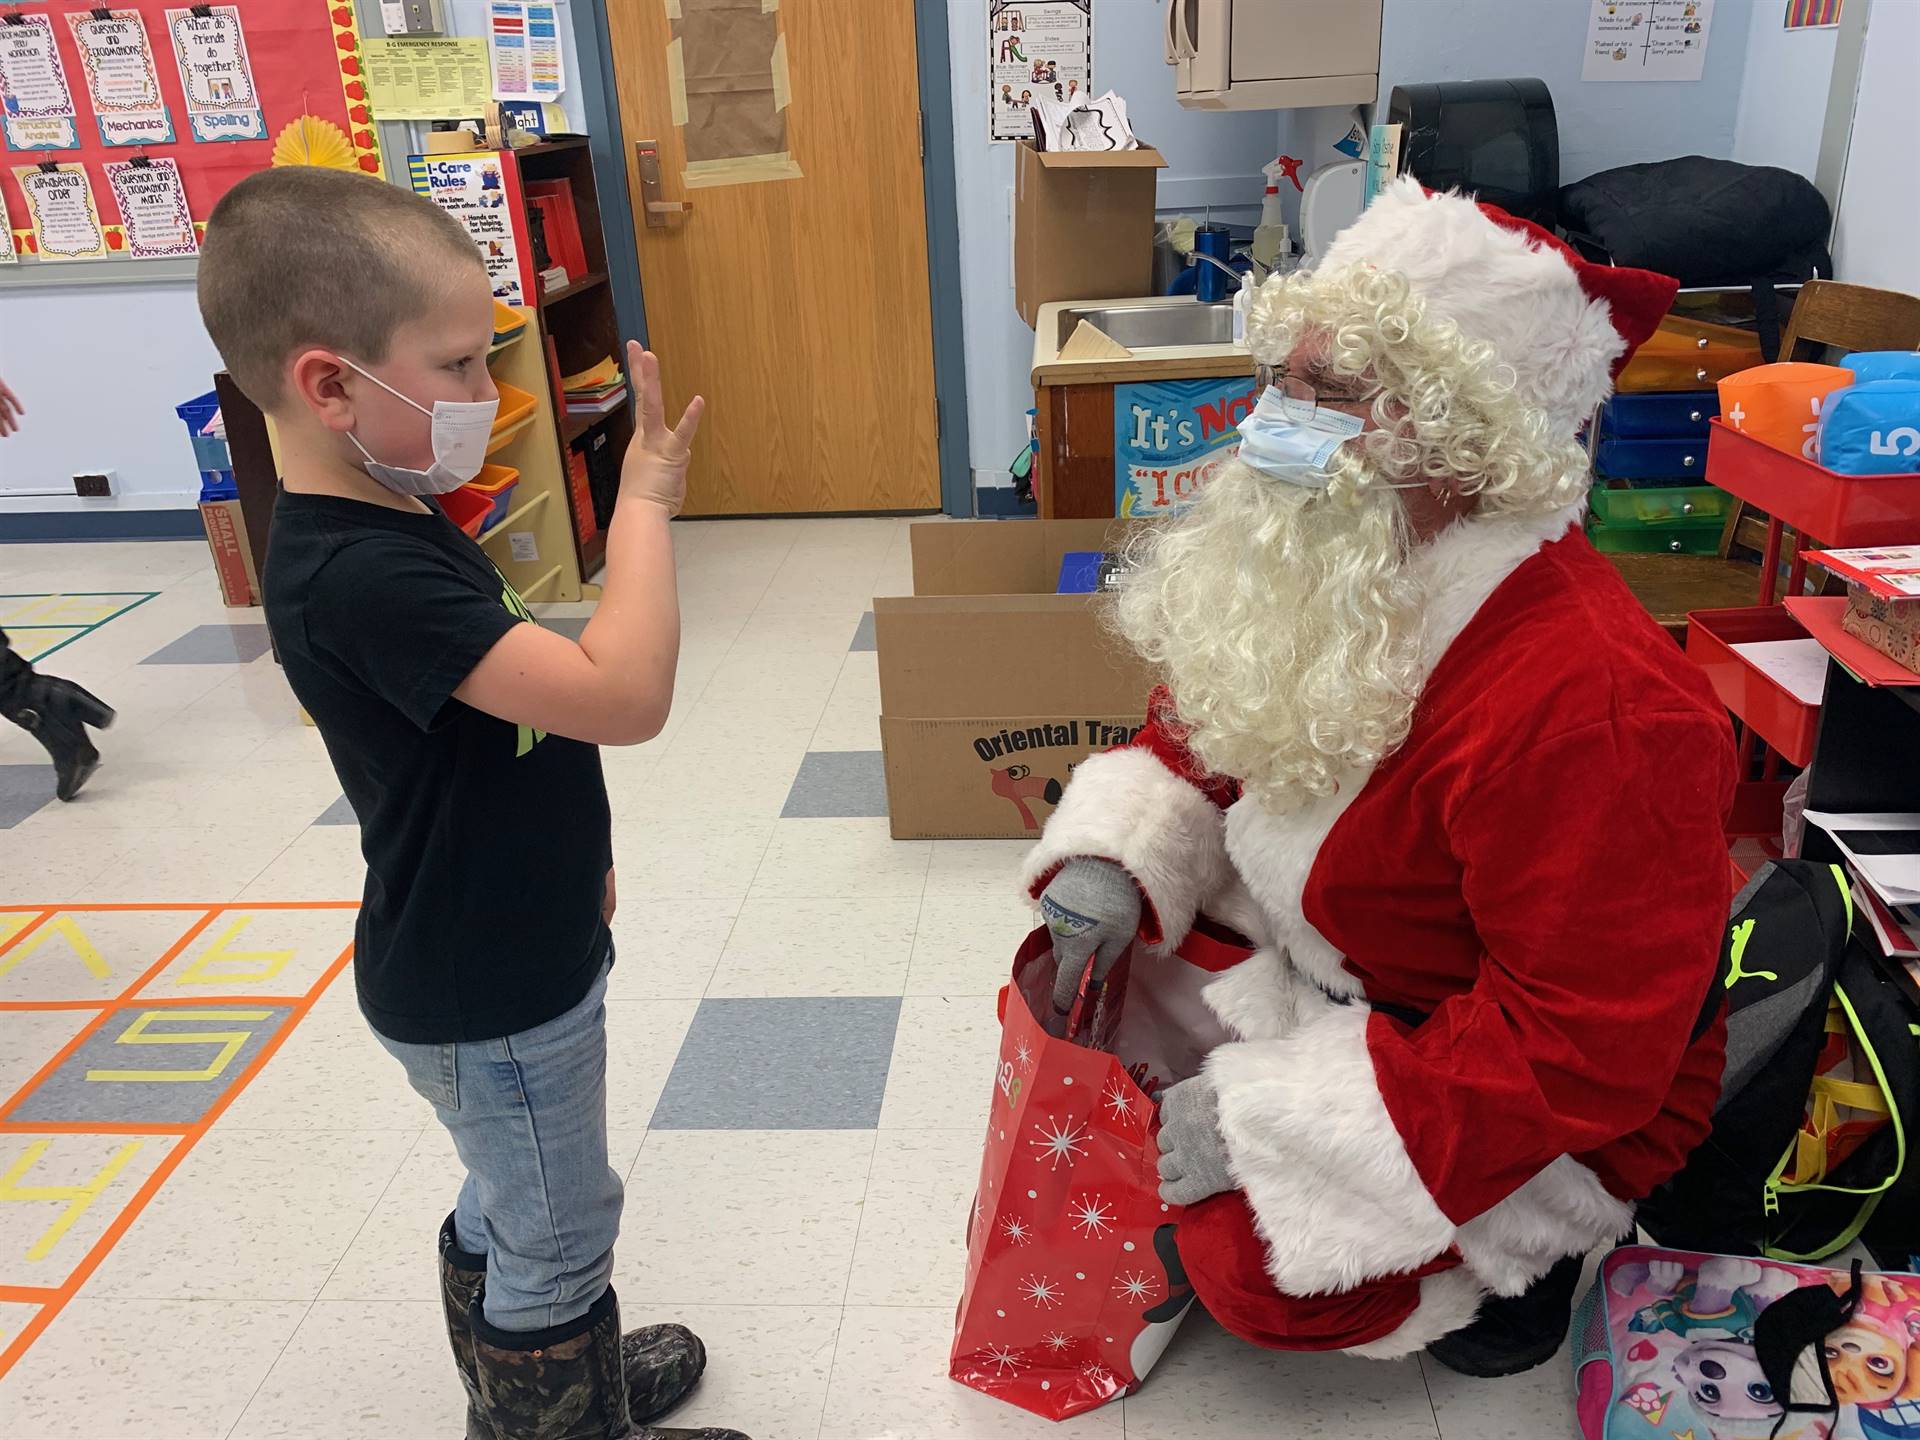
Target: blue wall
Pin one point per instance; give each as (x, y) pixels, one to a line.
(1217, 157)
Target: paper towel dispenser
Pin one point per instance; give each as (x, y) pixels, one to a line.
(1497, 140)
(1273, 54)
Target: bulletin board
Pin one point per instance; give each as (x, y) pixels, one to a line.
(304, 57)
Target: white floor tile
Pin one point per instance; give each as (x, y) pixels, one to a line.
(919, 1200)
(890, 1379)
(30, 1038)
(764, 1215)
(686, 859)
(666, 949)
(1519, 1407)
(944, 1054)
(323, 863)
(253, 1215)
(359, 1370)
(1211, 1386)
(144, 1369)
(817, 947)
(977, 865)
(767, 1365)
(643, 1039)
(841, 857)
(330, 1074)
(965, 942)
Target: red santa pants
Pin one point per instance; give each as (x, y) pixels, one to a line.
(1226, 1260)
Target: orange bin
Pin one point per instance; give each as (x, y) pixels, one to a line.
(515, 405)
(1779, 405)
(465, 509)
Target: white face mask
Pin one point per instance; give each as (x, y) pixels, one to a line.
(461, 429)
(1294, 441)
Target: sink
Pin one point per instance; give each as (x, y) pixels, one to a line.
(1141, 327)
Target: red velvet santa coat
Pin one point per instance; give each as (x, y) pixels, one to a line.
(1540, 869)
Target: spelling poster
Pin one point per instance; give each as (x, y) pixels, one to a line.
(1170, 436)
(36, 103)
(216, 73)
(1035, 48)
(473, 189)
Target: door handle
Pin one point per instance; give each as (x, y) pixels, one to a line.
(646, 154)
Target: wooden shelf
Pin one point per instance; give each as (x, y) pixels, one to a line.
(577, 287)
(518, 515)
(572, 427)
(503, 438)
(513, 339)
(533, 589)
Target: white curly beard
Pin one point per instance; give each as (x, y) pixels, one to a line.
(1288, 624)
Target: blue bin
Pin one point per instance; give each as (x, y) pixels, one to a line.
(210, 453)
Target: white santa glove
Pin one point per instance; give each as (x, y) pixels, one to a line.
(1093, 909)
(1193, 1156)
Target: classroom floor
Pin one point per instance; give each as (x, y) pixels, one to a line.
(196, 1244)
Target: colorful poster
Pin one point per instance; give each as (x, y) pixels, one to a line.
(427, 79)
(1812, 14)
(525, 40)
(121, 77)
(36, 104)
(7, 255)
(1170, 436)
(153, 208)
(472, 188)
(222, 102)
(66, 222)
(1035, 48)
(1647, 39)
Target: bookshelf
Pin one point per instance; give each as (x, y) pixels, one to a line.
(578, 328)
(534, 546)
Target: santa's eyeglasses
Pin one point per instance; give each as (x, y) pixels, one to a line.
(1302, 398)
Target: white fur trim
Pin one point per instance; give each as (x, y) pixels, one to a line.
(1448, 1302)
(1562, 1211)
(1128, 807)
(1461, 567)
(1333, 1191)
(1498, 286)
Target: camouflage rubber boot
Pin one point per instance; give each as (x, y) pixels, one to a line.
(662, 1364)
(462, 1275)
(565, 1383)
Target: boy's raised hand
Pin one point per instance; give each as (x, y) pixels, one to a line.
(655, 467)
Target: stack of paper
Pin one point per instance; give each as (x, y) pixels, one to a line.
(598, 390)
(1882, 850)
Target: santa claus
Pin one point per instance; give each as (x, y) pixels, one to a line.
(1423, 746)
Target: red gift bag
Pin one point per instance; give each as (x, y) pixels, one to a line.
(1073, 1285)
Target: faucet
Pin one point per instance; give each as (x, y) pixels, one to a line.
(1260, 273)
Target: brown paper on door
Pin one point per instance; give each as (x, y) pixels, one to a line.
(728, 69)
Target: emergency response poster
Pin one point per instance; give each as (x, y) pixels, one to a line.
(1170, 436)
(1035, 48)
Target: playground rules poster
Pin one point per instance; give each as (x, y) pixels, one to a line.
(1035, 48)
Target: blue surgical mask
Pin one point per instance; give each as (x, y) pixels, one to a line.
(1294, 440)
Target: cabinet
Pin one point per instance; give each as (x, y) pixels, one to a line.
(1273, 54)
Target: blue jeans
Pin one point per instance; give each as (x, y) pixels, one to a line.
(528, 1114)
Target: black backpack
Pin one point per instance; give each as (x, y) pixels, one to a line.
(1820, 1095)
(1706, 223)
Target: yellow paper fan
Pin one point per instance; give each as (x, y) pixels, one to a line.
(313, 141)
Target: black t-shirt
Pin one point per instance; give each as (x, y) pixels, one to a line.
(487, 844)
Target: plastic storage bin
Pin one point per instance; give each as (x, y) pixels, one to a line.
(467, 510)
(1680, 505)
(1634, 458)
(1838, 511)
(1654, 416)
(495, 484)
(210, 454)
(516, 405)
(1775, 714)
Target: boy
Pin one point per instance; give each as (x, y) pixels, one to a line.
(359, 317)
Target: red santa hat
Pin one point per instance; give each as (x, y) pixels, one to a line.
(1564, 324)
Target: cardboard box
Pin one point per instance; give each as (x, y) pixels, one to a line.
(226, 531)
(1082, 225)
(993, 688)
(1890, 626)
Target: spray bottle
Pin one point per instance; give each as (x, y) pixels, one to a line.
(1270, 235)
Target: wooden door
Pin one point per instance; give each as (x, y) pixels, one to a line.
(799, 307)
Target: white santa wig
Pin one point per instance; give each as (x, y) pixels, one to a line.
(1287, 619)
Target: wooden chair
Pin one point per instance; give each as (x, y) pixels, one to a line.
(1827, 313)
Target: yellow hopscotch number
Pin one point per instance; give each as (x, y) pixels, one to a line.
(266, 963)
(229, 1042)
(65, 927)
(81, 1196)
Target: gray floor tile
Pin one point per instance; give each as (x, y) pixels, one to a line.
(338, 813)
(567, 625)
(782, 1064)
(863, 634)
(837, 785)
(166, 1086)
(23, 790)
(213, 645)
